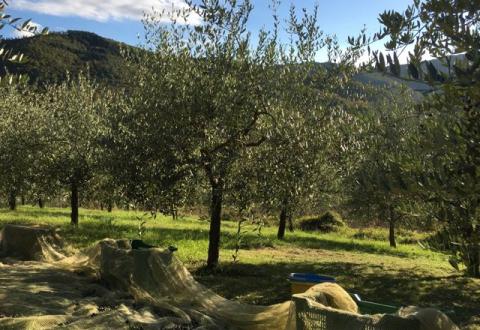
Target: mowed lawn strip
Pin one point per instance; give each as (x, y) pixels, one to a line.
(408, 275)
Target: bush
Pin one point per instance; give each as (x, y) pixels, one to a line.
(328, 222)
(440, 241)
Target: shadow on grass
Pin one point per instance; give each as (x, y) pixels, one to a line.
(100, 228)
(89, 233)
(41, 215)
(267, 284)
(38, 213)
(334, 245)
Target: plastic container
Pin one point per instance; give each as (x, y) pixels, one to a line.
(369, 307)
(301, 282)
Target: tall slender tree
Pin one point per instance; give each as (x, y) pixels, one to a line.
(382, 184)
(73, 114)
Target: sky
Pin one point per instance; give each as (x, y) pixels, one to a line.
(121, 19)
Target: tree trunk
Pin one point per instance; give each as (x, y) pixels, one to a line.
(473, 267)
(290, 223)
(473, 252)
(101, 206)
(74, 204)
(109, 206)
(40, 203)
(215, 223)
(22, 200)
(282, 224)
(12, 201)
(391, 232)
(173, 212)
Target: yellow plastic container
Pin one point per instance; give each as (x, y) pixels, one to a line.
(298, 287)
(301, 282)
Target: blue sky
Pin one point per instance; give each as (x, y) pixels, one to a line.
(120, 19)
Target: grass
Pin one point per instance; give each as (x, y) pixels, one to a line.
(408, 275)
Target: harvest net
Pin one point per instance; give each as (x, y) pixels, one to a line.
(112, 286)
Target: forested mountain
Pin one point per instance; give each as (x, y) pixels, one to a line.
(50, 56)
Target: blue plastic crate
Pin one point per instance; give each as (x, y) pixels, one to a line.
(310, 278)
(301, 282)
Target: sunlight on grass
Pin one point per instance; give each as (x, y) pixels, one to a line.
(191, 234)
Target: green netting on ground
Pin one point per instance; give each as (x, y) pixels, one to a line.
(111, 286)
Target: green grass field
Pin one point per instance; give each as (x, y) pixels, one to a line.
(408, 275)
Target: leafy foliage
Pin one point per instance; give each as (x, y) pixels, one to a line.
(19, 145)
(209, 93)
(72, 115)
(452, 157)
(382, 183)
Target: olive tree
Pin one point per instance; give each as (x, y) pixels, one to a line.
(20, 143)
(443, 28)
(382, 182)
(297, 169)
(73, 113)
(208, 92)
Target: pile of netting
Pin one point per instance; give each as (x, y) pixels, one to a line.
(114, 286)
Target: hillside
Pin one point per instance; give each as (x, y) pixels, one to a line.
(50, 56)
(380, 79)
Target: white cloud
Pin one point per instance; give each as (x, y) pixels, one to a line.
(103, 10)
(25, 33)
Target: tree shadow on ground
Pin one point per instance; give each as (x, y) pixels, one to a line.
(31, 214)
(31, 289)
(334, 245)
(38, 213)
(266, 284)
(102, 227)
(162, 237)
